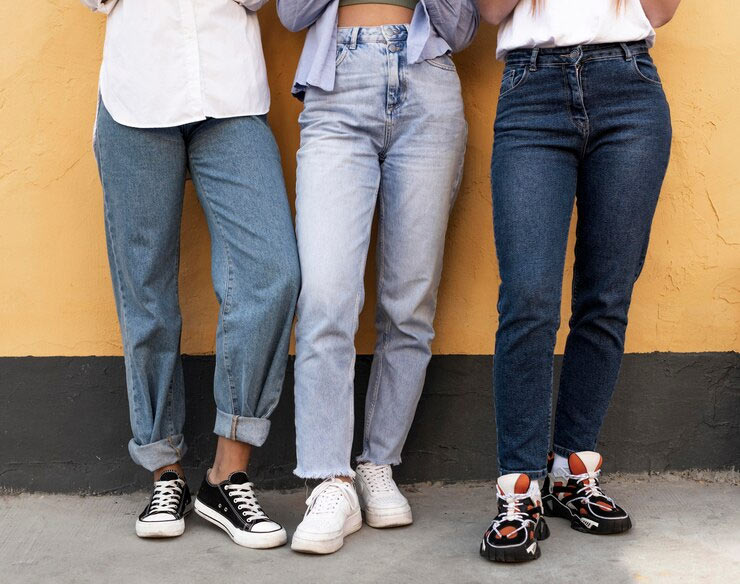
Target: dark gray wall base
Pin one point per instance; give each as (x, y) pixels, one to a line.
(64, 421)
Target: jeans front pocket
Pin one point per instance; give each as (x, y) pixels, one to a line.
(512, 79)
(645, 69)
(443, 62)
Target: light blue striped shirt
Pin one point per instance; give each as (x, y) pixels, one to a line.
(437, 27)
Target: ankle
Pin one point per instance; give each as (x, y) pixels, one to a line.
(345, 479)
(220, 472)
(177, 468)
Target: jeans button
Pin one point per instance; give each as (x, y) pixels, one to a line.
(393, 48)
(574, 54)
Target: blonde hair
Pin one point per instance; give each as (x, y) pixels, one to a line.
(537, 3)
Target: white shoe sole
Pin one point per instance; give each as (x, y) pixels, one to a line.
(254, 540)
(388, 517)
(155, 529)
(330, 544)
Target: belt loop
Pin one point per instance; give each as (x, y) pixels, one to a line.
(353, 40)
(627, 52)
(533, 59)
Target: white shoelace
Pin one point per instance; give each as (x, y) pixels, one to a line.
(379, 478)
(513, 513)
(166, 496)
(246, 501)
(590, 487)
(327, 496)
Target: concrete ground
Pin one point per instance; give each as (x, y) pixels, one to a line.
(686, 530)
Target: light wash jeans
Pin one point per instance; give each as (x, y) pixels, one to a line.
(235, 165)
(393, 134)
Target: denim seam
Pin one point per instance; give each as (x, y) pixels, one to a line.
(386, 330)
(170, 402)
(172, 445)
(581, 86)
(234, 422)
(227, 298)
(388, 130)
(569, 100)
(109, 226)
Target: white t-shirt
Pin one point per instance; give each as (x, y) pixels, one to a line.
(172, 62)
(563, 23)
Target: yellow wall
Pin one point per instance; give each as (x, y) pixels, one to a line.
(55, 294)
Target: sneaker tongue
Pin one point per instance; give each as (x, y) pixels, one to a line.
(169, 475)
(584, 462)
(517, 484)
(238, 478)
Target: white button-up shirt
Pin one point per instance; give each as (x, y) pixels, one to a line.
(171, 62)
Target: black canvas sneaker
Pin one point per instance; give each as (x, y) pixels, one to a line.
(233, 506)
(519, 525)
(575, 494)
(164, 515)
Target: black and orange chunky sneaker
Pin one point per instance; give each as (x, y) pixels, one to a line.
(519, 525)
(575, 494)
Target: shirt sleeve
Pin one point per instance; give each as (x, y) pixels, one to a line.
(252, 5)
(456, 21)
(299, 14)
(104, 6)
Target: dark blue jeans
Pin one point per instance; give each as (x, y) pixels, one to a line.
(588, 124)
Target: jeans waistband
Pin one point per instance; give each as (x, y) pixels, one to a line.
(388, 33)
(575, 54)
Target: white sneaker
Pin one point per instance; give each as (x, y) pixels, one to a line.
(333, 513)
(382, 502)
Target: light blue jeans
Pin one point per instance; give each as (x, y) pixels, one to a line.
(394, 135)
(235, 165)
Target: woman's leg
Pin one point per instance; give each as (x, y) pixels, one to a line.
(337, 184)
(418, 187)
(618, 187)
(534, 174)
(143, 173)
(236, 169)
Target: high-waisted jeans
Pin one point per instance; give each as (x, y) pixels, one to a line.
(235, 165)
(392, 134)
(588, 124)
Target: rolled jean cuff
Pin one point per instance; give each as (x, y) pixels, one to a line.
(158, 454)
(252, 431)
(566, 452)
(532, 474)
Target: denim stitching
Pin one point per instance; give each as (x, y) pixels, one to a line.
(439, 65)
(109, 227)
(643, 76)
(587, 127)
(525, 76)
(385, 336)
(227, 296)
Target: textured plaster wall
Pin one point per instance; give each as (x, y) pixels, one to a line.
(55, 294)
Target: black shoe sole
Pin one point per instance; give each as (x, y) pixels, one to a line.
(517, 554)
(554, 508)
